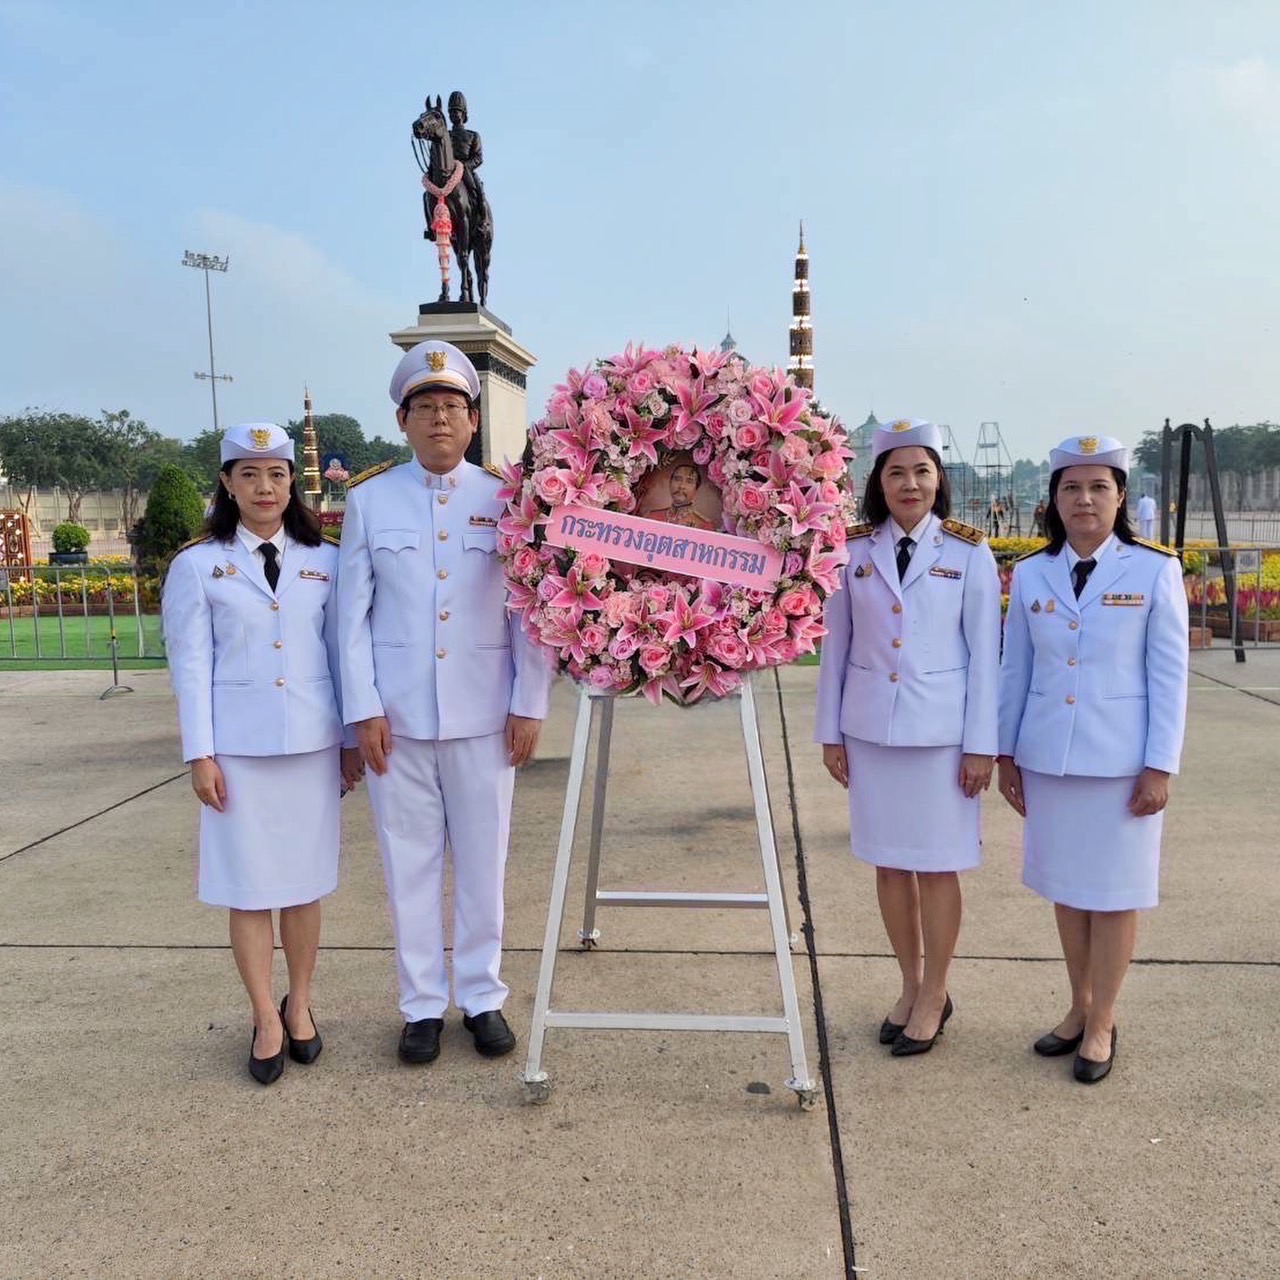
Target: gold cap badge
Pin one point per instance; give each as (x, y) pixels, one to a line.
(901, 425)
(260, 438)
(1088, 445)
(437, 360)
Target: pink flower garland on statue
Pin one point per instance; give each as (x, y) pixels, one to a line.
(781, 469)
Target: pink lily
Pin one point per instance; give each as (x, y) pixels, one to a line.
(668, 684)
(512, 478)
(644, 435)
(783, 410)
(576, 593)
(684, 620)
(805, 509)
(708, 363)
(694, 400)
(711, 679)
(520, 520)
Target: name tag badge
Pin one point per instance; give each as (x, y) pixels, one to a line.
(939, 571)
(1123, 598)
(483, 522)
(314, 574)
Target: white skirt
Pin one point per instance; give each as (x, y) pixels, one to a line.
(907, 811)
(1082, 847)
(276, 842)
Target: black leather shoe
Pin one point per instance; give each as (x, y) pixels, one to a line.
(904, 1046)
(304, 1051)
(890, 1031)
(492, 1035)
(420, 1041)
(1087, 1071)
(1051, 1045)
(265, 1070)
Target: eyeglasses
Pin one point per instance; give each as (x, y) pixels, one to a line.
(425, 409)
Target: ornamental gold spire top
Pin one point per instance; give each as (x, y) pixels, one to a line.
(800, 365)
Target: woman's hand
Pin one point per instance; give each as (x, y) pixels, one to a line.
(208, 783)
(1010, 785)
(352, 767)
(975, 773)
(1150, 793)
(836, 758)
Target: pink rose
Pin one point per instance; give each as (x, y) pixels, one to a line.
(792, 564)
(751, 435)
(716, 473)
(762, 385)
(728, 648)
(639, 385)
(774, 622)
(702, 454)
(796, 601)
(794, 450)
(827, 465)
(593, 565)
(594, 387)
(752, 499)
(654, 658)
(657, 597)
(623, 647)
(594, 637)
(551, 486)
(656, 405)
(739, 412)
(525, 561)
(717, 425)
(600, 677)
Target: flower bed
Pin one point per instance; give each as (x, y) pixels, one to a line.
(781, 473)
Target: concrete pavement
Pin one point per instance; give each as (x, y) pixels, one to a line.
(134, 1143)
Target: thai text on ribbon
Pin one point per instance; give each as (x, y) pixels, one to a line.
(654, 544)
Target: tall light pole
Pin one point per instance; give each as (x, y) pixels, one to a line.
(207, 262)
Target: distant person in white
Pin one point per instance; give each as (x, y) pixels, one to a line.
(1147, 517)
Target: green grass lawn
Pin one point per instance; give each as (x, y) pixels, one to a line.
(52, 644)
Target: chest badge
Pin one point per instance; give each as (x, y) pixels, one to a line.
(1119, 597)
(1050, 606)
(941, 571)
(860, 571)
(1035, 606)
(217, 571)
(483, 522)
(314, 574)
(230, 570)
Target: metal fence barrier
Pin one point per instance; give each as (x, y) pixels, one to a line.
(74, 613)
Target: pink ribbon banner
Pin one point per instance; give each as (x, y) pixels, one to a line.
(654, 544)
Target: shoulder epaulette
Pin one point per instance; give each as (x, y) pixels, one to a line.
(860, 531)
(1156, 546)
(965, 532)
(1026, 555)
(493, 471)
(328, 535)
(369, 472)
(195, 542)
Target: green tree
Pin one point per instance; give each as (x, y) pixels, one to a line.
(78, 445)
(380, 450)
(131, 455)
(175, 513)
(202, 457)
(25, 454)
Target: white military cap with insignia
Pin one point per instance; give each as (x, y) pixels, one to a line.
(1082, 451)
(901, 432)
(256, 440)
(434, 364)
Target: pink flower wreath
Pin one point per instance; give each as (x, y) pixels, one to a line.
(781, 469)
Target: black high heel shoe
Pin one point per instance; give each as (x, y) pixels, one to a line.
(904, 1046)
(266, 1070)
(304, 1051)
(890, 1031)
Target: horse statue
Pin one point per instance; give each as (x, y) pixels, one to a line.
(471, 227)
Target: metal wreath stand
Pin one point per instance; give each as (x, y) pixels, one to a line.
(537, 1082)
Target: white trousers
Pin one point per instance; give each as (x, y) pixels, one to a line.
(456, 792)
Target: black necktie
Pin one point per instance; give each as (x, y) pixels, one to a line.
(904, 555)
(1080, 575)
(271, 567)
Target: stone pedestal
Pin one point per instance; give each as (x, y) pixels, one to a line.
(501, 362)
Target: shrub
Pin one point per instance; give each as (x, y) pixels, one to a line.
(175, 514)
(68, 537)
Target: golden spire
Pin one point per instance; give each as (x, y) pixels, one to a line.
(800, 365)
(310, 453)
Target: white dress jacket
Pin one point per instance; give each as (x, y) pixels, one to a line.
(425, 635)
(1097, 686)
(254, 670)
(913, 663)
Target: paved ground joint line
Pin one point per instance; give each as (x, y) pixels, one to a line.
(820, 1020)
(71, 826)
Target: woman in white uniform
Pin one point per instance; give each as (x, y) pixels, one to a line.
(250, 625)
(1093, 691)
(907, 711)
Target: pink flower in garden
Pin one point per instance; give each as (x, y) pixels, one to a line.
(805, 509)
(656, 405)
(707, 363)
(783, 410)
(717, 424)
(774, 621)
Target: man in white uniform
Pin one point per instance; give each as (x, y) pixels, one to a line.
(1147, 517)
(446, 694)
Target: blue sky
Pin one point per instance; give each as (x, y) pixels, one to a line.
(1058, 217)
